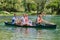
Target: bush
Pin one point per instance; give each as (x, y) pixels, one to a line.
(33, 6)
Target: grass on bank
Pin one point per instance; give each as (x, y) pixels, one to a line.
(4, 13)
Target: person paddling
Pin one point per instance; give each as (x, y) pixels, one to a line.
(39, 19)
(25, 20)
(14, 19)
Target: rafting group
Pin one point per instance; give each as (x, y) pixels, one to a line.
(24, 20)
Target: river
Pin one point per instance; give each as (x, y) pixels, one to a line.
(18, 33)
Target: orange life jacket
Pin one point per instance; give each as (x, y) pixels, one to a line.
(26, 19)
(39, 20)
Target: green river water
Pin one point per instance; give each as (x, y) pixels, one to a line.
(18, 33)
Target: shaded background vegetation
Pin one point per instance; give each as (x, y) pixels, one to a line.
(35, 6)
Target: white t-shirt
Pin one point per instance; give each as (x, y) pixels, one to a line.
(13, 20)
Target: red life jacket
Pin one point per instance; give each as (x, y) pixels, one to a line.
(40, 20)
(26, 19)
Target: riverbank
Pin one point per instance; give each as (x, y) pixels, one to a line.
(5, 13)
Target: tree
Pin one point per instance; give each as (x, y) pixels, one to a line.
(54, 5)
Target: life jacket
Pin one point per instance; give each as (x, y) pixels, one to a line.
(39, 20)
(26, 20)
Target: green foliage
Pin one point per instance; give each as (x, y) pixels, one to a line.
(54, 5)
(10, 5)
(21, 5)
(33, 6)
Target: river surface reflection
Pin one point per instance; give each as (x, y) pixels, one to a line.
(19, 33)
